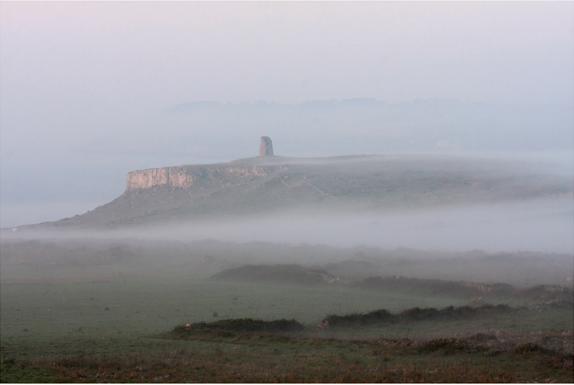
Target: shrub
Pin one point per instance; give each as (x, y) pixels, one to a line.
(241, 325)
(528, 347)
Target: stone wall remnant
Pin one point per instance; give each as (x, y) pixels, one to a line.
(266, 146)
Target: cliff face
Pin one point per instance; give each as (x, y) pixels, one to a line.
(187, 176)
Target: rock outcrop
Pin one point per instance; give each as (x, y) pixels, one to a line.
(266, 146)
(187, 176)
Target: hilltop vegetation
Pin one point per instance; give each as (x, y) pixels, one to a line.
(352, 184)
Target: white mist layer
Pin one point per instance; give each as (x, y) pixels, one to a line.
(544, 225)
(541, 225)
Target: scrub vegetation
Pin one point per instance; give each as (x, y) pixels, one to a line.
(97, 310)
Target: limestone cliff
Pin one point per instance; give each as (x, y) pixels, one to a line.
(187, 176)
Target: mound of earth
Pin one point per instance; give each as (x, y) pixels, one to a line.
(239, 325)
(437, 287)
(280, 274)
(415, 314)
(468, 289)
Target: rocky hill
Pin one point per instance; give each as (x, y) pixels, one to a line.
(349, 184)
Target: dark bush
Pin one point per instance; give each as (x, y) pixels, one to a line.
(482, 337)
(242, 325)
(528, 347)
(445, 344)
(412, 315)
(418, 314)
(357, 319)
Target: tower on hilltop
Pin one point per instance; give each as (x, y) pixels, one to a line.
(266, 146)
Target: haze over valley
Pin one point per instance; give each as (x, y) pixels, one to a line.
(408, 217)
(425, 202)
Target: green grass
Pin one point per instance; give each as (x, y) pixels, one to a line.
(264, 357)
(95, 321)
(48, 318)
(25, 372)
(44, 319)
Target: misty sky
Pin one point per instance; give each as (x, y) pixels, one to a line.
(92, 90)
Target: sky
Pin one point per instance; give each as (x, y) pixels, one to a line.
(90, 90)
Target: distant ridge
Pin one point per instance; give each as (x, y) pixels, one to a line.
(188, 107)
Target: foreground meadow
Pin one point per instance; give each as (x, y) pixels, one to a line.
(115, 319)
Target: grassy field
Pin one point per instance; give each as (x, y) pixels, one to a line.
(59, 318)
(110, 320)
(309, 355)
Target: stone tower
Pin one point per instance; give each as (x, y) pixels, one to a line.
(266, 146)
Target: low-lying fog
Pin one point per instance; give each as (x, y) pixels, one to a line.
(544, 225)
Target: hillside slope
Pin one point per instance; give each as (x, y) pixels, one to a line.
(349, 184)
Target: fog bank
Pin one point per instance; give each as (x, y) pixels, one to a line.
(544, 225)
